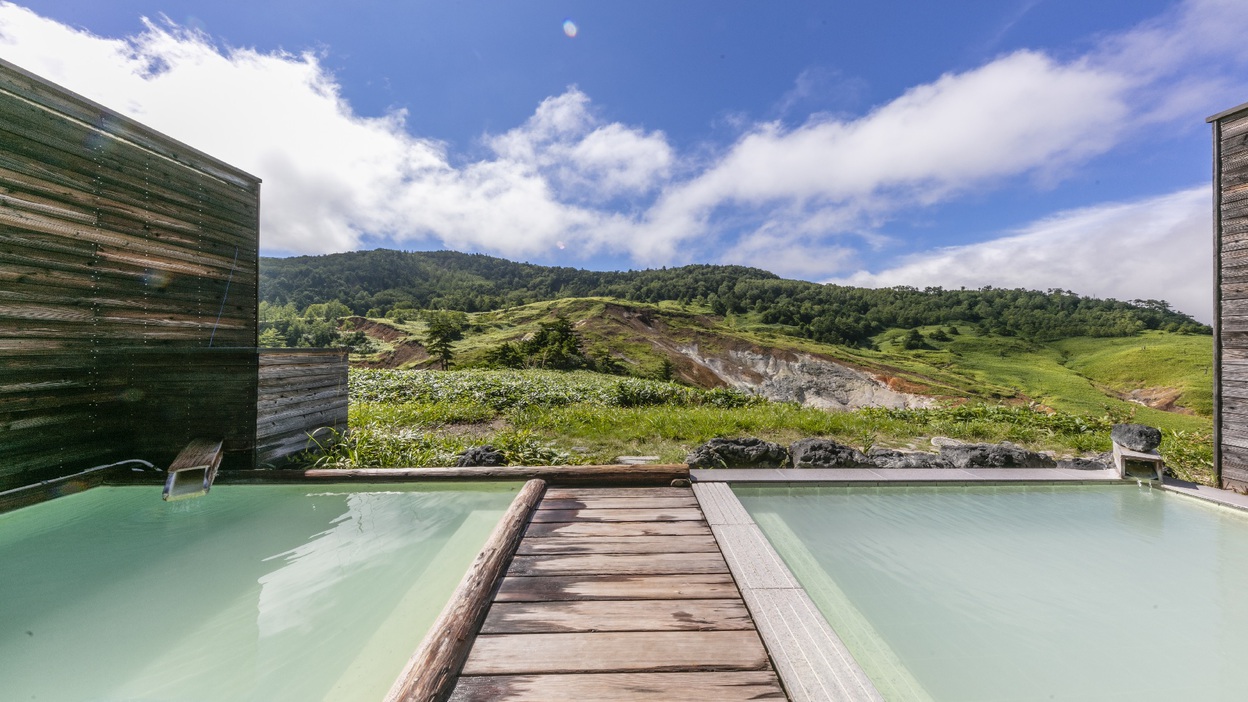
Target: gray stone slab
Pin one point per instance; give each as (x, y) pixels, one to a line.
(911, 476)
(1227, 498)
(728, 475)
(750, 557)
(809, 657)
(719, 505)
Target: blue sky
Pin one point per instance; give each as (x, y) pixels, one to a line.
(1037, 143)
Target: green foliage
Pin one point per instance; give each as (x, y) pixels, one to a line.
(442, 330)
(389, 280)
(426, 418)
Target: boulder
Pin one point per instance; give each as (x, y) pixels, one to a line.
(1137, 437)
(738, 453)
(889, 458)
(1002, 455)
(826, 453)
(1082, 464)
(481, 456)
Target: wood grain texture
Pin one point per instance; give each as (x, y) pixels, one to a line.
(617, 615)
(622, 687)
(121, 252)
(618, 564)
(576, 493)
(618, 515)
(637, 502)
(534, 546)
(620, 652)
(618, 529)
(616, 587)
(430, 673)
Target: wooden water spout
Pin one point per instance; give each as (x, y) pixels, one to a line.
(192, 472)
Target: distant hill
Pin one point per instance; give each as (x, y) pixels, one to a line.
(372, 283)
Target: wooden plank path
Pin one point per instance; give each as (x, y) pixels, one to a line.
(618, 594)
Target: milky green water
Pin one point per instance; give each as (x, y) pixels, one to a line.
(249, 593)
(998, 594)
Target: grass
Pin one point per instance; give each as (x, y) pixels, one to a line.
(426, 418)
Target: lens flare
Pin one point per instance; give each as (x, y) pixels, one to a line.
(569, 28)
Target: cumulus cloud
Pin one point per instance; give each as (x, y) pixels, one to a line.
(332, 176)
(1134, 250)
(801, 200)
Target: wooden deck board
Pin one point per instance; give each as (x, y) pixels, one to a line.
(616, 587)
(618, 515)
(576, 493)
(618, 594)
(618, 564)
(616, 615)
(616, 651)
(612, 544)
(622, 687)
(618, 529)
(639, 502)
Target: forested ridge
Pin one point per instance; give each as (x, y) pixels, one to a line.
(374, 283)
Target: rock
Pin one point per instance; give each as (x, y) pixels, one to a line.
(889, 458)
(1137, 437)
(481, 456)
(1082, 464)
(738, 453)
(945, 441)
(825, 453)
(1002, 455)
(680, 482)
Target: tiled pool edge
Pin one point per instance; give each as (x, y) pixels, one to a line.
(810, 658)
(1225, 498)
(905, 477)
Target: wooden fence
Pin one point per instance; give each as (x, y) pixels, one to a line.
(302, 392)
(1230, 216)
(128, 291)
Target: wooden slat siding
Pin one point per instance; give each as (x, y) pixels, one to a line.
(124, 255)
(650, 616)
(301, 392)
(1230, 381)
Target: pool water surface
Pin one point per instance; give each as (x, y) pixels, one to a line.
(275, 592)
(1023, 593)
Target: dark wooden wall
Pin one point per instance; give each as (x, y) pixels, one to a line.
(128, 282)
(302, 391)
(1230, 165)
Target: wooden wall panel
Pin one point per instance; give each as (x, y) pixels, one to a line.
(302, 391)
(1230, 215)
(128, 288)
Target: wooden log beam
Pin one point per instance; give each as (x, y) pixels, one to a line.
(659, 474)
(431, 672)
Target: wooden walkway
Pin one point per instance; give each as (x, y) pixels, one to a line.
(618, 594)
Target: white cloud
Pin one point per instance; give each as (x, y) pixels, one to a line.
(1160, 248)
(332, 176)
(799, 200)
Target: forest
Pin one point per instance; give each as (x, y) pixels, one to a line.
(380, 282)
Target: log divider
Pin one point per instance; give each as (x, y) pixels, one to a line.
(430, 674)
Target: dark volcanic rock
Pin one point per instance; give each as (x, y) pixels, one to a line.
(738, 453)
(1137, 437)
(1082, 464)
(481, 456)
(825, 453)
(1002, 455)
(888, 458)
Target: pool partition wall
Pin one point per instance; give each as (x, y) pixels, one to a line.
(1021, 592)
(256, 592)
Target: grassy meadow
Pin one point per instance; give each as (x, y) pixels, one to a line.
(413, 418)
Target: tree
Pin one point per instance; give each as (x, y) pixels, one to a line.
(442, 330)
